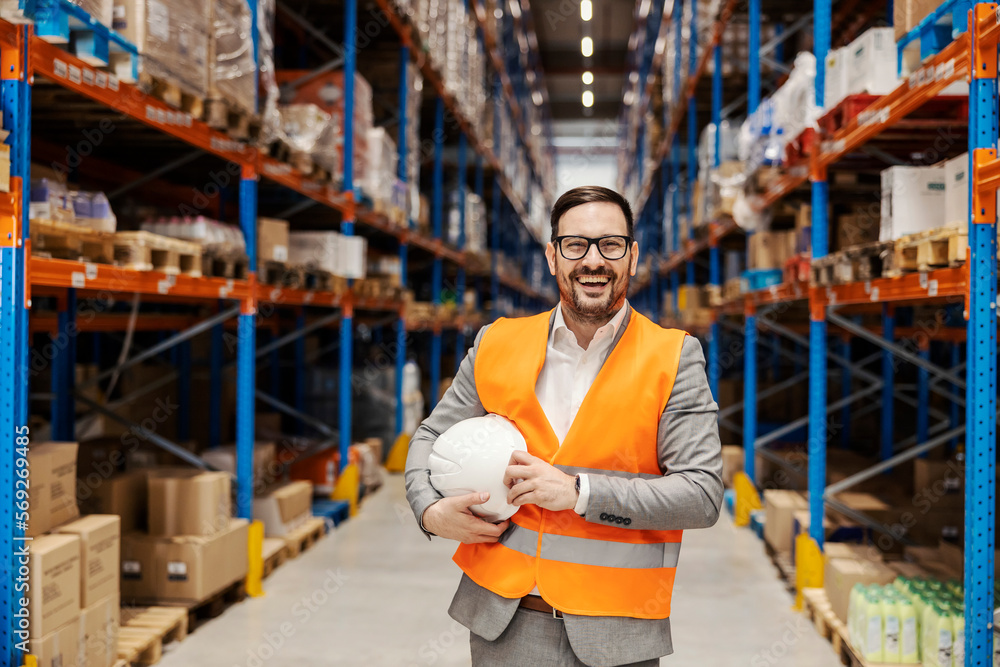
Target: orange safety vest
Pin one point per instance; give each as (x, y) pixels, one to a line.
(581, 567)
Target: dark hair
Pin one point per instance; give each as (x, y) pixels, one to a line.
(587, 194)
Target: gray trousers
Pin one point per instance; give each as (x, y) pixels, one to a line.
(532, 638)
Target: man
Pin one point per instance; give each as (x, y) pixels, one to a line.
(623, 455)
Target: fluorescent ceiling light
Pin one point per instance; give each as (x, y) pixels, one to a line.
(586, 10)
(515, 8)
(588, 98)
(587, 47)
(588, 78)
(536, 97)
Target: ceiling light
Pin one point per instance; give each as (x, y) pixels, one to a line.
(515, 8)
(629, 98)
(536, 97)
(586, 10)
(633, 77)
(587, 47)
(588, 78)
(588, 98)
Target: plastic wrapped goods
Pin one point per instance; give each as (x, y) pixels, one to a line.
(172, 37)
(233, 72)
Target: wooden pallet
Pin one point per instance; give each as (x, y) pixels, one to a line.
(224, 263)
(945, 246)
(784, 564)
(64, 240)
(173, 94)
(280, 274)
(238, 123)
(855, 264)
(145, 630)
(274, 555)
(304, 536)
(299, 160)
(145, 251)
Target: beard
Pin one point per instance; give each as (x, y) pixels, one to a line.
(587, 309)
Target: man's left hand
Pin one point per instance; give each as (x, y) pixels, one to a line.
(539, 483)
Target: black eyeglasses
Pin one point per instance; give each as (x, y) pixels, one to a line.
(577, 247)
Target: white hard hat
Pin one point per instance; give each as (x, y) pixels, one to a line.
(471, 457)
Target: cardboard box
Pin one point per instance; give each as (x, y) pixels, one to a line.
(871, 62)
(855, 229)
(54, 583)
(956, 192)
(52, 495)
(188, 502)
(193, 568)
(732, 463)
(284, 508)
(912, 201)
(125, 495)
(907, 14)
(100, 549)
(847, 550)
(59, 648)
(906, 569)
(770, 250)
(172, 36)
(138, 562)
(272, 240)
(938, 484)
(99, 624)
(835, 85)
(779, 506)
(264, 471)
(840, 575)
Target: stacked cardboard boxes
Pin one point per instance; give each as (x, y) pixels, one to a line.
(770, 250)
(73, 585)
(193, 548)
(173, 41)
(913, 200)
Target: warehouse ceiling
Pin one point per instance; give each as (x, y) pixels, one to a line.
(560, 29)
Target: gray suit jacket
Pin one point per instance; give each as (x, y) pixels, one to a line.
(689, 495)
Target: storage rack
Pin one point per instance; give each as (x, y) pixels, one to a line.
(971, 55)
(23, 57)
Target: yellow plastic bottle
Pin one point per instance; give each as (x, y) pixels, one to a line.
(943, 631)
(909, 647)
(958, 629)
(890, 628)
(873, 628)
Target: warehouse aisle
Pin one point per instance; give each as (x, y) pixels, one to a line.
(375, 593)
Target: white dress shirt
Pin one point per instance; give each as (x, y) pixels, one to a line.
(566, 377)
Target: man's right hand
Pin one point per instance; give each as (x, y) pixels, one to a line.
(451, 518)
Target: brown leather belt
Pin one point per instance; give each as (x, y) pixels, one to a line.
(536, 603)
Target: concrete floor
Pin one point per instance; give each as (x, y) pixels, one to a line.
(375, 592)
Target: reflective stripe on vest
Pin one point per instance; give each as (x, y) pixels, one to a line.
(581, 551)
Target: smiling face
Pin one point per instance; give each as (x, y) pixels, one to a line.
(592, 289)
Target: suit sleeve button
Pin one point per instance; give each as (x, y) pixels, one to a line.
(604, 516)
(619, 519)
(628, 522)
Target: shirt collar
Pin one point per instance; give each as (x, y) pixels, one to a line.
(615, 324)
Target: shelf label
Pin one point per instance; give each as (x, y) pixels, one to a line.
(74, 74)
(226, 145)
(275, 295)
(945, 70)
(870, 117)
(77, 279)
(923, 280)
(223, 292)
(277, 168)
(90, 270)
(101, 80)
(59, 67)
(163, 286)
(831, 296)
(88, 76)
(875, 294)
(868, 287)
(932, 288)
(112, 82)
(308, 298)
